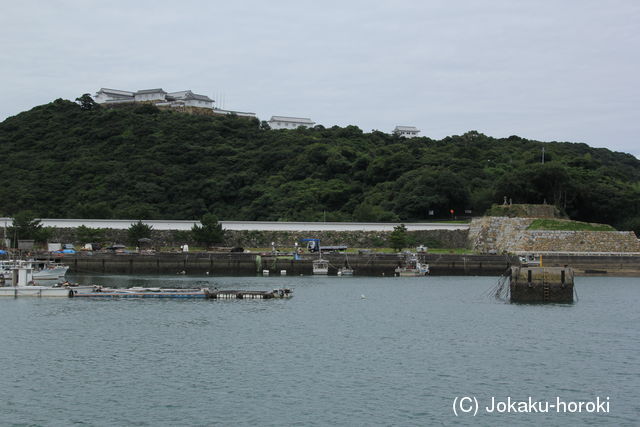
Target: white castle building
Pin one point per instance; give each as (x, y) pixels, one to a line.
(283, 122)
(159, 97)
(406, 131)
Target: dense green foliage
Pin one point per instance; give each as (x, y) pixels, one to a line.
(209, 232)
(138, 231)
(558, 224)
(398, 238)
(27, 227)
(89, 235)
(69, 160)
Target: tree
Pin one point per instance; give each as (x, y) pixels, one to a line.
(368, 212)
(210, 232)
(398, 238)
(26, 227)
(89, 235)
(87, 103)
(138, 231)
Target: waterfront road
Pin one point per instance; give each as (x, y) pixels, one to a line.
(123, 224)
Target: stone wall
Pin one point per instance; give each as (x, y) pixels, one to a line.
(492, 234)
(502, 234)
(524, 211)
(578, 241)
(263, 239)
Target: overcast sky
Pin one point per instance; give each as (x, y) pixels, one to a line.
(547, 70)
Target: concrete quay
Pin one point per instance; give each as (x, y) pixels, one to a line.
(374, 264)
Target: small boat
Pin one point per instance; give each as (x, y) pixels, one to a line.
(321, 267)
(22, 284)
(50, 271)
(530, 260)
(345, 271)
(412, 267)
(46, 271)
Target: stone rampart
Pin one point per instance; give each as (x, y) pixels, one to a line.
(524, 211)
(503, 234)
(577, 241)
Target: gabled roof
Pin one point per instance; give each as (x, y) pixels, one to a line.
(187, 94)
(115, 91)
(159, 90)
(177, 95)
(292, 120)
(192, 95)
(406, 129)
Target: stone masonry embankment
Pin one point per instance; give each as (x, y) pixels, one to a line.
(282, 239)
(503, 234)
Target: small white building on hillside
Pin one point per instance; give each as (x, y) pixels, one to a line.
(406, 131)
(283, 122)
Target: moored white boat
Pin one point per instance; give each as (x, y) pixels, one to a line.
(321, 267)
(345, 271)
(42, 271)
(412, 268)
(23, 284)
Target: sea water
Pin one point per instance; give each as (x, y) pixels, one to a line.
(352, 351)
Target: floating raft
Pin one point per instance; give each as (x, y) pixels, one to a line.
(204, 293)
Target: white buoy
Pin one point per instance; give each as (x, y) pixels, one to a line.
(363, 296)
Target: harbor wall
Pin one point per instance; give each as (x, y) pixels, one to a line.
(374, 264)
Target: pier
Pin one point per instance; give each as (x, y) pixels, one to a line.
(541, 284)
(251, 264)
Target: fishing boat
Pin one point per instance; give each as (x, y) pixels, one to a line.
(23, 284)
(41, 270)
(321, 267)
(530, 260)
(412, 267)
(345, 270)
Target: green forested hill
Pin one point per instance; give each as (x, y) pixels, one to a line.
(60, 160)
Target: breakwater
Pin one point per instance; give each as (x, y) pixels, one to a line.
(374, 264)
